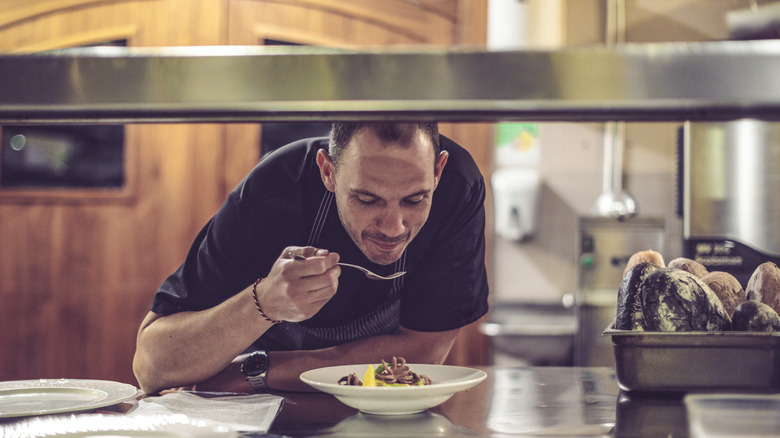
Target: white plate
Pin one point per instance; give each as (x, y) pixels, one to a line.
(22, 398)
(394, 400)
(111, 425)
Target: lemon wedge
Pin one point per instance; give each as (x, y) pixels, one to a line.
(368, 378)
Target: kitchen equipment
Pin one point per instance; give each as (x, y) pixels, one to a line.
(728, 415)
(731, 195)
(696, 361)
(642, 414)
(754, 23)
(614, 201)
(531, 334)
(640, 82)
(605, 245)
(372, 275)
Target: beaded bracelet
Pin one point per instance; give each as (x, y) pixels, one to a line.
(257, 303)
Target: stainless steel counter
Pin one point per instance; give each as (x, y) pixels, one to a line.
(512, 401)
(557, 401)
(632, 82)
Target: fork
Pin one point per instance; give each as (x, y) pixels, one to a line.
(369, 274)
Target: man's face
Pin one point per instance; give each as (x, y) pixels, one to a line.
(383, 194)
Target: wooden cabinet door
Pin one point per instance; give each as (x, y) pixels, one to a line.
(78, 267)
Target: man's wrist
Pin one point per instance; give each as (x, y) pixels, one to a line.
(254, 368)
(259, 307)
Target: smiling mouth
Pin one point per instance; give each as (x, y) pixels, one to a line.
(387, 245)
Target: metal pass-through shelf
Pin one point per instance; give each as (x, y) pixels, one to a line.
(632, 82)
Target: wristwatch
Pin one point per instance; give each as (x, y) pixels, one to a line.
(254, 368)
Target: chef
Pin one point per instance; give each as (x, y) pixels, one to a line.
(260, 297)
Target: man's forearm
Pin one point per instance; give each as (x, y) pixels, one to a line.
(189, 347)
(415, 347)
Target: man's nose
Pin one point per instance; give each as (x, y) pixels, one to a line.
(391, 222)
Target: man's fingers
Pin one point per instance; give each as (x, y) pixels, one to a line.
(313, 266)
(302, 252)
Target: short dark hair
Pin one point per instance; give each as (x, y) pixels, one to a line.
(400, 133)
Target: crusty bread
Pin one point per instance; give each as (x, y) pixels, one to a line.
(649, 256)
(674, 300)
(629, 305)
(689, 265)
(755, 316)
(764, 285)
(727, 288)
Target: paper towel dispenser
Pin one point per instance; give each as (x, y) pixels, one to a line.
(515, 199)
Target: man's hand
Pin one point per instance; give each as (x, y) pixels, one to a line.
(295, 290)
(182, 348)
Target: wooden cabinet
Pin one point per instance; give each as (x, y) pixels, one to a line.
(78, 267)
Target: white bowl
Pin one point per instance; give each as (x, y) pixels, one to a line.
(730, 415)
(395, 400)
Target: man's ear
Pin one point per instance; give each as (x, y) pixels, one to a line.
(327, 169)
(441, 161)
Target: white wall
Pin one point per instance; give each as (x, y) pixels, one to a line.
(543, 267)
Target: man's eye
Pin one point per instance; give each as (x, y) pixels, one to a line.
(366, 199)
(414, 200)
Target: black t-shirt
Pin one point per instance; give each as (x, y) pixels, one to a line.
(283, 202)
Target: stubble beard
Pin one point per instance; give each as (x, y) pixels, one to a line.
(380, 258)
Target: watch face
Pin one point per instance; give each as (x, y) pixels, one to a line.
(255, 364)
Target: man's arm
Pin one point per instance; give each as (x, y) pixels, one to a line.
(188, 347)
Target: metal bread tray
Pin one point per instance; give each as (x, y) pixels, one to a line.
(696, 361)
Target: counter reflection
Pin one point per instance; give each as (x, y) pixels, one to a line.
(552, 401)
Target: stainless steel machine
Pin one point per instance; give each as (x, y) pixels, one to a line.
(605, 244)
(731, 195)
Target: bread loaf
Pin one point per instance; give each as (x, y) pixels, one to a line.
(727, 288)
(689, 265)
(648, 256)
(629, 305)
(764, 285)
(674, 300)
(755, 316)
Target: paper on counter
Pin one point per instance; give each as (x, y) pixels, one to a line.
(240, 412)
